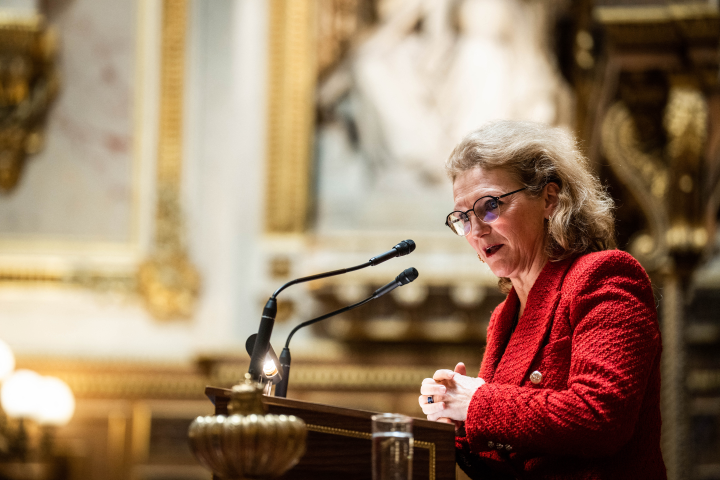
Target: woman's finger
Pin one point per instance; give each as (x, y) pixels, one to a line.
(433, 417)
(428, 380)
(443, 374)
(433, 408)
(433, 389)
(423, 400)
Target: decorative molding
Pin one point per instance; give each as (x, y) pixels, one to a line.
(107, 379)
(655, 13)
(339, 431)
(339, 377)
(292, 77)
(168, 281)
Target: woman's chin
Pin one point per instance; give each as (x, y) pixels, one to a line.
(498, 268)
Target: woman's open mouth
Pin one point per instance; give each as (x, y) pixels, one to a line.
(492, 250)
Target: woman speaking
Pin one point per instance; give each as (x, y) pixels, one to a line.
(569, 386)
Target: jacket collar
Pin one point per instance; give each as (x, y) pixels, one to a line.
(532, 328)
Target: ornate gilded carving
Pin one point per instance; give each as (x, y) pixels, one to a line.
(168, 281)
(28, 85)
(686, 124)
(644, 175)
(663, 186)
(292, 77)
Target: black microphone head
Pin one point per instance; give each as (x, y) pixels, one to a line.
(405, 247)
(407, 276)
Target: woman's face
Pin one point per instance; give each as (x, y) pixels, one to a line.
(515, 242)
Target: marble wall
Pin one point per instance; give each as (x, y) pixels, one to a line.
(86, 184)
(81, 187)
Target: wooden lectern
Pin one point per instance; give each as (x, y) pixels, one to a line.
(338, 441)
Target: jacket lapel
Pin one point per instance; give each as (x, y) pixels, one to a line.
(497, 336)
(533, 326)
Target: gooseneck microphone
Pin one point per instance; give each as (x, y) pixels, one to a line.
(267, 321)
(401, 249)
(407, 276)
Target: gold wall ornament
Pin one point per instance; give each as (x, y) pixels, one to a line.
(291, 93)
(644, 175)
(248, 443)
(28, 85)
(664, 183)
(168, 281)
(686, 125)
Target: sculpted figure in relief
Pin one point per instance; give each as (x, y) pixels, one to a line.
(430, 72)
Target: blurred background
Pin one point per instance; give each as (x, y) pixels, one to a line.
(165, 165)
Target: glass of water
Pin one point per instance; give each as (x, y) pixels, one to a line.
(392, 447)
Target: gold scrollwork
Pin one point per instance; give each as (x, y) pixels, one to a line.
(645, 176)
(168, 281)
(648, 177)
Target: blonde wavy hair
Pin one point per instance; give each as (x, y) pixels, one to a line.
(535, 155)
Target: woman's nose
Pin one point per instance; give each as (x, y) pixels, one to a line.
(478, 228)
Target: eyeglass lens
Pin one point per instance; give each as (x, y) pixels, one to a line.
(459, 223)
(488, 211)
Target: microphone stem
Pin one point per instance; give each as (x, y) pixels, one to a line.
(281, 388)
(327, 315)
(319, 276)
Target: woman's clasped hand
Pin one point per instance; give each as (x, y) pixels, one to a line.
(451, 392)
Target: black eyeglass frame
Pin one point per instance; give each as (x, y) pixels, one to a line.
(465, 213)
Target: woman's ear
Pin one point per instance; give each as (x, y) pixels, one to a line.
(551, 194)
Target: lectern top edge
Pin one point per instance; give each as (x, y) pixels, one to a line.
(214, 393)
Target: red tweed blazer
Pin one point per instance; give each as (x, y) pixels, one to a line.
(590, 329)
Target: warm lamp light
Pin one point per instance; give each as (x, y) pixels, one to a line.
(7, 360)
(20, 394)
(270, 369)
(57, 405)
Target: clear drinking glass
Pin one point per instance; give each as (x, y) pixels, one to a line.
(392, 447)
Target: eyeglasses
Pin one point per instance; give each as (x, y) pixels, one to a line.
(485, 208)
